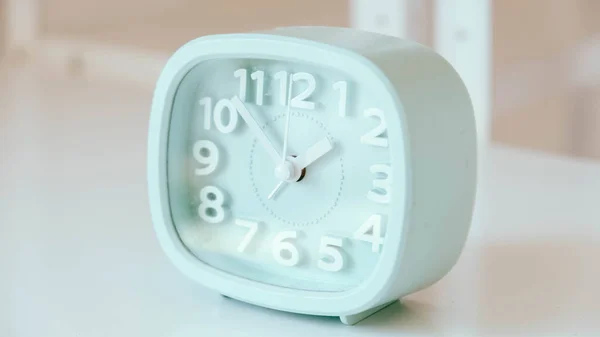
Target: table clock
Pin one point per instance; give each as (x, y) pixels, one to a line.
(314, 170)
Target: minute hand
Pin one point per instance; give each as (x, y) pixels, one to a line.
(313, 153)
(256, 130)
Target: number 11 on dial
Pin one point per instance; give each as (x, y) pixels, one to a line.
(258, 76)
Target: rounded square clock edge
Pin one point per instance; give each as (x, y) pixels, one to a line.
(266, 49)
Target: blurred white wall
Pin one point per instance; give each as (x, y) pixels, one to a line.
(3, 21)
(166, 25)
(547, 75)
(546, 53)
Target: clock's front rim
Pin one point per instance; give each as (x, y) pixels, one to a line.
(368, 293)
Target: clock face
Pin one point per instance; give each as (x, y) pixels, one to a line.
(279, 172)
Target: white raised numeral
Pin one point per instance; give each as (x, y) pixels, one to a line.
(259, 77)
(206, 153)
(211, 205)
(370, 231)
(342, 86)
(207, 103)
(282, 77)
(230, 125)
(220, 107)
(332, 259)
(300, 100)
(252, 229)
(284, 252)
(382, 191)
(374, 137)
(243, 75)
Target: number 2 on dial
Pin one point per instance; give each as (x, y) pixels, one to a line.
(374, 137)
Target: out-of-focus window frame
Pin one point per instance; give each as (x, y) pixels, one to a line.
(19, 27)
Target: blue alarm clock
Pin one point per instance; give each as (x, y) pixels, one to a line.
(315, 170)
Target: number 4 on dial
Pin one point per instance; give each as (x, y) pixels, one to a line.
(370, 231)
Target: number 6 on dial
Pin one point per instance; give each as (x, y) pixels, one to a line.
(284, 252)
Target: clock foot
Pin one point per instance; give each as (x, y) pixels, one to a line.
(353, 319)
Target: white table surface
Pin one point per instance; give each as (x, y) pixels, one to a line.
(78, 255)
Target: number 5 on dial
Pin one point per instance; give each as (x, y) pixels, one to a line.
(330, 248)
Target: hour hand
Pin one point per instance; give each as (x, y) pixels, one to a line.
(313, 153)
(316, 151)
(256, 129)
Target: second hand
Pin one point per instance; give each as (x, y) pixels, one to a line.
(287, 123)
(285, 137)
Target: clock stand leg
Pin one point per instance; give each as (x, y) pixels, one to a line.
(353, 319)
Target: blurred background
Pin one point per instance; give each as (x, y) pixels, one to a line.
(532, 66)
(78, 256)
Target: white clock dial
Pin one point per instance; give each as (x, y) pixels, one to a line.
(279, 172)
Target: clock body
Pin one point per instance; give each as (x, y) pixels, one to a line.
(315, 170)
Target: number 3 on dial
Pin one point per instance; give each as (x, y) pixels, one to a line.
(381, 191)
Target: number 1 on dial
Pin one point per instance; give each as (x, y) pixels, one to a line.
(342, 86)
(259, 77)
(282, 77)
(243, 75)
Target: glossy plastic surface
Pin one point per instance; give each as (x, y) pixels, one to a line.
(431, 129)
